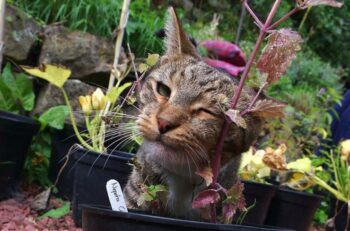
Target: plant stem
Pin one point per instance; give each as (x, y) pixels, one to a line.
(279, 21)
(304, 18)
(74, 124)
(2, 28)
(118, 44)
(216, 161)
(251, 12)
(240, 25)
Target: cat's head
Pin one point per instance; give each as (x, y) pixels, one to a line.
(183, 101)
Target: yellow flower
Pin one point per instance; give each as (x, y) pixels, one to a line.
(345, 150)
(252, 165)
(98, 99)
(85, 103)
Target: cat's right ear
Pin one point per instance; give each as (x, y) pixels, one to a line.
(176, 40)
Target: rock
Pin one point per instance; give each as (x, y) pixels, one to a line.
(85, 54)
(21, 33)
(50, 96)
(41, 200)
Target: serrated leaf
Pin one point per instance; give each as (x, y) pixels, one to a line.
(207, 174)
(303, 4)
(152, 59)
(56, 75)
(268, 108)
(57, 213)
(205, 198)
(235, 194)
(236, 118)
(279, 53)
(54, 117)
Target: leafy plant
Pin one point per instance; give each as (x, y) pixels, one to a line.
(338, 164)
(281, 47)
(16, 92)
(38, 159)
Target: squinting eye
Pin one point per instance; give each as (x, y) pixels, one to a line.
(205, 111)
(163, 90)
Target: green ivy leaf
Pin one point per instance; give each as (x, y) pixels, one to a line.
(54, 117)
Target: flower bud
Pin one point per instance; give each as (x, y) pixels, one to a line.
(98, 99)
(345, 150)
(85, 103)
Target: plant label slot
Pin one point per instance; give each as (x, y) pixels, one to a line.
(115, 195)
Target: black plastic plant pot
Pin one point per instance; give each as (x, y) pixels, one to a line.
(259, 195)
(61, 143)
(99, 218)
(292, 209)
(92, 171)
(339, 209)
(16, 134)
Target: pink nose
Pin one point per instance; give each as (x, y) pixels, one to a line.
(164, 125)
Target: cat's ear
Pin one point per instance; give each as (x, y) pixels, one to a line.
(176, 40)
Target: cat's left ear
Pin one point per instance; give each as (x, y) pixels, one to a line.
(177, 42)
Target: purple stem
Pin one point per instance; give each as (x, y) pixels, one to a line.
(251, 12)
(216, 161)
(279, 21)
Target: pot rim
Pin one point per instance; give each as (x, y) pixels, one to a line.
(170, 221)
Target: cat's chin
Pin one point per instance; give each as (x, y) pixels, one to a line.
(168, 157)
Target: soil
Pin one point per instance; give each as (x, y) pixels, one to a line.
(16, 214)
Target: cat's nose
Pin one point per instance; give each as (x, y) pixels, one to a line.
(165, 125)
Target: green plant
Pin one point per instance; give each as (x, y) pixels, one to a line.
(337, 162)
(38, 159)
(16, 92)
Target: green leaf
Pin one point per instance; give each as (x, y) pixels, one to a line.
(56, 75)
(57, 213)
(54, 117)
(7, 102)
(25, 91)
(21, 88)
(114, 93)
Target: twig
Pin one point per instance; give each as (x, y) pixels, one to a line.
(284, 18)
(251, 12)
(118, 44)
(240, 25)
(2, 28)
(138, 86)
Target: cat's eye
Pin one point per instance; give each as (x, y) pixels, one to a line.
(205, 111)
(163, 90)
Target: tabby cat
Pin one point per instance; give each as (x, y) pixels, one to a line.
(183, 101)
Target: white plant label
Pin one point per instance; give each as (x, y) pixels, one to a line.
(115, 195)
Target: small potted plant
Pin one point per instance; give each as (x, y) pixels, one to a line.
(291, 207)
(16, 129)
(337, 162)
(257, 191)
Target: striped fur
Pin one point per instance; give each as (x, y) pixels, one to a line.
(199, 96)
